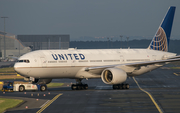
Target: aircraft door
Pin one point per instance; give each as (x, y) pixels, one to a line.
(121, 58)
(43, 62)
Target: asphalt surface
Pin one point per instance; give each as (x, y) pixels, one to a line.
(7, 64)
(162, 84)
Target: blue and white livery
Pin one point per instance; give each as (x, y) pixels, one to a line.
(113, 66)
(162, 37)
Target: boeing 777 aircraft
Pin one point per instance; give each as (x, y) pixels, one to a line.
(113, 66)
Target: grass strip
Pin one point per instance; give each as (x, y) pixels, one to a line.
(8, 103)
(55, 84)
(7, 70)
(174, 67)
(11, 78)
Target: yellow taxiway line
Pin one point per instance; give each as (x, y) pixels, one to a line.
(157, 106)
(176, 74)
(50, 102)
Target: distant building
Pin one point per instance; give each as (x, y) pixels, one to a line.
(14, 48)
(39, 42)
(21, 44)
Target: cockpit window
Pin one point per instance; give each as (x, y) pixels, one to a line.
(26, 61)
(20, 60)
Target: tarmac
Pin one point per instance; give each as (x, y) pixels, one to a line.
(157, 91)
(7, 64)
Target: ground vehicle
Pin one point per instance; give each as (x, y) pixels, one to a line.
(8, 86)
(11, 86)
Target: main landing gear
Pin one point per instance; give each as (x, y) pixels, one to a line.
(79, 85)
(121, 86)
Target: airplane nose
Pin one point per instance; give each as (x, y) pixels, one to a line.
(22, 69)
(16, 67)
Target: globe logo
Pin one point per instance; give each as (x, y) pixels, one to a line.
(159, 42)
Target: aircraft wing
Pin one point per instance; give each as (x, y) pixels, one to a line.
(178, 56)
(132, 66)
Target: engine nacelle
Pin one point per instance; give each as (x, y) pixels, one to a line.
(42, 81)
(113, 76)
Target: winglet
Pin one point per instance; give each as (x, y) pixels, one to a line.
(162, 37)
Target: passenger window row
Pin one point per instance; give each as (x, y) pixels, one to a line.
(26, 61)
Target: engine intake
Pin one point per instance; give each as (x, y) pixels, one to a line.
(113, 76)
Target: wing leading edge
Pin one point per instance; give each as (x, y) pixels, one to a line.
(129, 67)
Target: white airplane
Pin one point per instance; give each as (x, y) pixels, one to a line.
(113, 66)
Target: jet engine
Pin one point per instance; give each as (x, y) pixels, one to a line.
(42, 81)
(113, 76)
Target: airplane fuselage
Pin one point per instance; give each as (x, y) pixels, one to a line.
(113, 66)
(72, 63)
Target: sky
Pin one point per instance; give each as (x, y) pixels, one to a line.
(87, 18)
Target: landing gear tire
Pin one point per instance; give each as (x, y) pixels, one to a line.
(115, 87)
(73, 87)
(121, 86)
(127, 86)
(79, 85)
(124, 86)
(85, 86)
